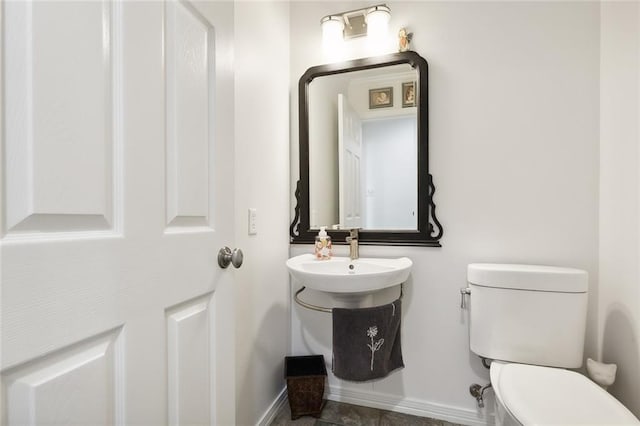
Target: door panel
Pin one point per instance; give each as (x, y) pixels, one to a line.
(189, 55)
(37, 392)
(349, 159)
(60, 121)
(113, 210)
(188, 344)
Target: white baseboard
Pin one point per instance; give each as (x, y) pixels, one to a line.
(410, 406)
(273, 409)
(391, 403)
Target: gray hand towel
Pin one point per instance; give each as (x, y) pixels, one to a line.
(366, 342)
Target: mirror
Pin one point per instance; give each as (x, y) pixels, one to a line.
(364, 152)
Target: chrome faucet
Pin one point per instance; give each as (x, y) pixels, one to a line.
(352, 239)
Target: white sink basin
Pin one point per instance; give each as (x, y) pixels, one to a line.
(342, 275)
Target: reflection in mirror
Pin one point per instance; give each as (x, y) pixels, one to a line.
(363, 149)
(364, 152)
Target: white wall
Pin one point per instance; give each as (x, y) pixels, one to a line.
(619, 293)
(514, 132)
(262, 182)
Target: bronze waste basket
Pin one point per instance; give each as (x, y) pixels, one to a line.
(305, 384)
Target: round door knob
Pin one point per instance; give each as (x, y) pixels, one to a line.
(226, 257)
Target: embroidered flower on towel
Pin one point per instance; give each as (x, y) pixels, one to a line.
(374, 346)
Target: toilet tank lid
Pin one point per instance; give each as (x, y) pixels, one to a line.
(544, 395)
(528, 277)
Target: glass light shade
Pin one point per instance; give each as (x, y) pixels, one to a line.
(378, 23)
(332, 28)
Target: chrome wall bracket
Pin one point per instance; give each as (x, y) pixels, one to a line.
(322, 308)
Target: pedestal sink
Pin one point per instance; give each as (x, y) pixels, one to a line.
(343, 275)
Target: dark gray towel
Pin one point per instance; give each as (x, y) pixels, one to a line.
(366, 342)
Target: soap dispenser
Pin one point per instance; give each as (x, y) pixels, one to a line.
(323, 244)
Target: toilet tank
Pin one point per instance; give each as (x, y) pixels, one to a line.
(528, 314)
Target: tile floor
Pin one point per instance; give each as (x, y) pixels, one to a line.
(340, 414)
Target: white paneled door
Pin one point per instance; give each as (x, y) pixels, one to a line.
(350, 164)
(117, 193)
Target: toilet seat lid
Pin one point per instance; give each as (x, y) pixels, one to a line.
(551, 396)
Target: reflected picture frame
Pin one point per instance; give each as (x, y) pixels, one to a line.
(409, 94)
(381, 98)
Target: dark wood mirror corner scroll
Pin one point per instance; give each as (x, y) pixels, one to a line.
(429, 230)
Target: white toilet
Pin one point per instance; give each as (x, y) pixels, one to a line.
(530, 320)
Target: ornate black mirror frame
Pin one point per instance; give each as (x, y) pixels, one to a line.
(429, 230)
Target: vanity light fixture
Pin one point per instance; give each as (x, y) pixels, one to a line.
(372, 21)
